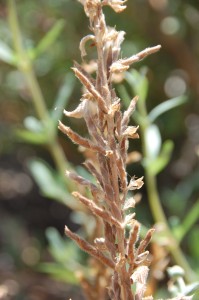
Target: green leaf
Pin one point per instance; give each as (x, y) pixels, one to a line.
(165, 106)
(124, 95)
(156, 165)
(193, 245)
(190, 288)
(33, 124)
(59, 272)
(63, 97)
(49, 182)
(153, 141)
(175, 272)
(138, 82)
(38, 138)
(85, 174)
(57, 245)
(196, 295)
(6, 54)
(126, 99)
(63, 251)
(48, 40)
(190, 219)
(37, 133)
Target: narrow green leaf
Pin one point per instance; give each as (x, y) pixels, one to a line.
(126, 99)
(63, 97)
(6, 54)
(58, 272)
(191, 217)
(153, 141)
(63, 251)
(138, 83)
(157, 164)
(124, 95)
(38, 138)
(193, 245)
(165, 106)
(49, 182)
(48, 40)
(57, 246)
(33, 124)
(190, 288)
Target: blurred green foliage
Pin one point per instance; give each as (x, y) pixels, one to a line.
(68, 258)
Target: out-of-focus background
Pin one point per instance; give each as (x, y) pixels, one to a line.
(33, 195)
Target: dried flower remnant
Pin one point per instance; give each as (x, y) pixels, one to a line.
(109, 133)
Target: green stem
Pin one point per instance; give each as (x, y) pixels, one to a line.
(159, 217)
(191, 218)
(25, 66)
(61, 162)
(24, 63)
(155, 203)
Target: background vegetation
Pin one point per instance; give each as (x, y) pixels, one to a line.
(32, 153)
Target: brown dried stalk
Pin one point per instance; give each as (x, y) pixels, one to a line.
(109, 133)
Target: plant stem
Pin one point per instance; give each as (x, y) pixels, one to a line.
(25, 66)
(24, 63)
(104, 86)
(191, 217)
(155, 203)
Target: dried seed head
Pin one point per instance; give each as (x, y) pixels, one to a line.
(129, 219)
(129, 203)
(144, 243)
(98, 211)
(127, 114)
(100, 244)
(84, 245)
(78, 112)
(131, 132)
(117, 5)
(141, 258)
(109, 132)
(91, 88)
(90, 7)
(140, 277)
(123, 64)
(84, 40)
(135, 184)
(133, 237)
(114, 108)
